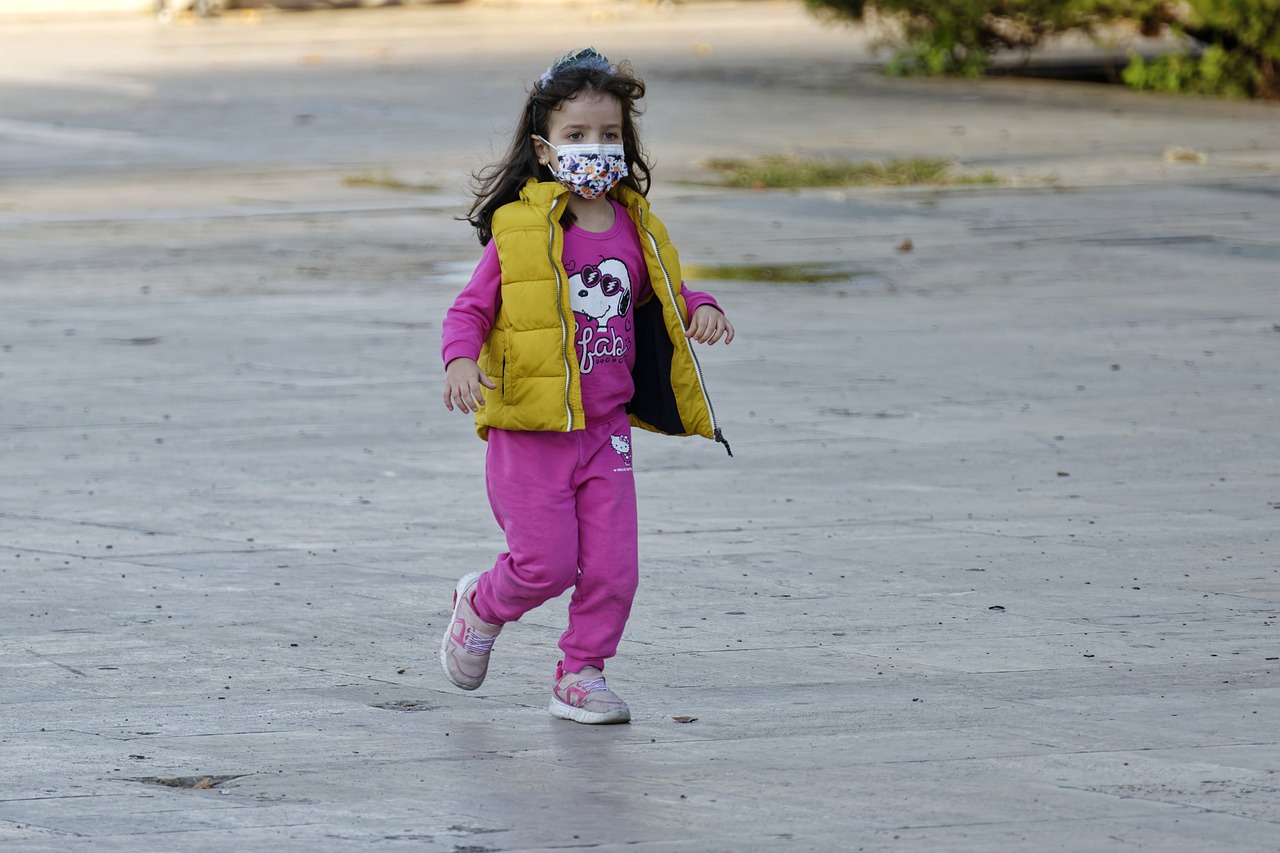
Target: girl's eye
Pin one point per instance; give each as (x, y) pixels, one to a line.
(610, 135)
(575, 136)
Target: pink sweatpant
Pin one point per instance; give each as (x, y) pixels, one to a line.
(567, 503)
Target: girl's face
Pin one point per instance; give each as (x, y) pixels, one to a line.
(591, 118)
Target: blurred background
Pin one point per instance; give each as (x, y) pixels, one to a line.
(281, 126)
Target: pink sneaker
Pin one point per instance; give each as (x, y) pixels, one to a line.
(584, 698)
(464, 652)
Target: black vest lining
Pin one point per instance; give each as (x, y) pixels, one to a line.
(655, 400)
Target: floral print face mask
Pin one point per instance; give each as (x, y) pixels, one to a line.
(589, 170)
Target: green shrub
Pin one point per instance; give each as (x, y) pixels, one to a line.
(1235, 44)
(796, 172)
(1239, 54)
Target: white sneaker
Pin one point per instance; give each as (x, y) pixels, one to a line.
(584, 698)
(464, 652)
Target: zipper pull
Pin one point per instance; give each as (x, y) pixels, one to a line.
(719, 436)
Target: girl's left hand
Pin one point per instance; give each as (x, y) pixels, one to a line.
(707, 325)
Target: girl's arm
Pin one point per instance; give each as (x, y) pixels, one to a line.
(466, 326)
(464, 382)
(707, 323)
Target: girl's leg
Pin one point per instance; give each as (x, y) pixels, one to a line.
(531, 489)
(607, 549)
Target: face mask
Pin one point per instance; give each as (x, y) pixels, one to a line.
(589, 170)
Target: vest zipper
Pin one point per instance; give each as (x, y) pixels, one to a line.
(697, 368)
(564, 327)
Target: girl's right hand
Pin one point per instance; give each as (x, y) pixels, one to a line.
(463, 380)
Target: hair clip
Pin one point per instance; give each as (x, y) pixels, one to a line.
(586, 56)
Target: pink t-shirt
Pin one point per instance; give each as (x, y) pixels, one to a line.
(607, 279)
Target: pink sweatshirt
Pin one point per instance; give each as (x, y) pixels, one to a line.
(607, 279)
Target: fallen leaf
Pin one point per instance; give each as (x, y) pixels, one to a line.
(685, 719)
(906, 245)
(204, 784)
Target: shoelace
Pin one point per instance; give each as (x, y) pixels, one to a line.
(592, 686)
(477, 644)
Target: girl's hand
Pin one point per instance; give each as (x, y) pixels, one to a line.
(463, 379)
(708, 325)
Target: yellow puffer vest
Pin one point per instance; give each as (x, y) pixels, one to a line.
(530, 351)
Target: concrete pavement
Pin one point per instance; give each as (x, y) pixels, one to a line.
(994, 566)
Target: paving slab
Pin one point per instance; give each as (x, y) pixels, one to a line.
(994, 565)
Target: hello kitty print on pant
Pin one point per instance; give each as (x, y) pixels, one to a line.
(622, 444)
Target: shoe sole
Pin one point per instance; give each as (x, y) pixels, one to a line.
(458, 590)
(591, 718)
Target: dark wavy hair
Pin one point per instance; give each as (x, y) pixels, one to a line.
(579, 72)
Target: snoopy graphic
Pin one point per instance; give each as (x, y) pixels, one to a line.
(602, 292)
(622, 444)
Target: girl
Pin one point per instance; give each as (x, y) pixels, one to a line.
(574, 327)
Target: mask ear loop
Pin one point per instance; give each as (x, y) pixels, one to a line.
(533, 115)
(533, 118)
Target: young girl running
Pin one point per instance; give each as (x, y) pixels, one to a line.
(574, 327)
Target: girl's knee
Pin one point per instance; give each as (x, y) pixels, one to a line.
(552, 576)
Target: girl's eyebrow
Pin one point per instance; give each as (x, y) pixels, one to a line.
(610, 126)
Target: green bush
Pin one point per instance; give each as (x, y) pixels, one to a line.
(1234, 44)
(796, 172)
(1239, 57)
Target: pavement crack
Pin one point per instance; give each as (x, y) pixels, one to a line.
(48, 659)
(128, 527)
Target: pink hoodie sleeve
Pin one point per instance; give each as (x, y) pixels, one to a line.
(470, 318)
(695, 299)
